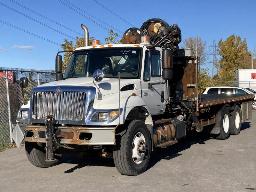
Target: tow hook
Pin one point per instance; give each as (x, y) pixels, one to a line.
(49, 135)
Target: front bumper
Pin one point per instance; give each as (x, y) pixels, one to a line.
(73, 135)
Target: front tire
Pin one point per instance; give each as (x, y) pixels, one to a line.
(36, 155)
(133, 155)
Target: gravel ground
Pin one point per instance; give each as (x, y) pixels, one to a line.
(198, 164)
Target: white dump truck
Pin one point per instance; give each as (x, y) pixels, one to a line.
(127, 100)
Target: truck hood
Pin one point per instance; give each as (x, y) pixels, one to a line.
(107, 85)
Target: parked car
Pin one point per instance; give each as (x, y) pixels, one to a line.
(230, 91)
(251, 90)
(226, 90)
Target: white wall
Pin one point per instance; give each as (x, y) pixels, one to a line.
(247, 78)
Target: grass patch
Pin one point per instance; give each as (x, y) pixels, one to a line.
(3, 146)
(6, 146)
(4, 137)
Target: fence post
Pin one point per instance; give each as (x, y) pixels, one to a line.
(8, 104)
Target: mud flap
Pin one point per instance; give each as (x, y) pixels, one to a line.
(181, 128)
(216, 129)
(246, 109)
(17, 135)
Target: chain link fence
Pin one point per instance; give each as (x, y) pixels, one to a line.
(10, 101)
(4, 118)
(12, 97)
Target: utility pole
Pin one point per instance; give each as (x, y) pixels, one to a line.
(214, 54)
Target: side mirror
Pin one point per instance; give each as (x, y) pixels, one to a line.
(98, 75)
(167, 64)
(23, 82)
(58, 67)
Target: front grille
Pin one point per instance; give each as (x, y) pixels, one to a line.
(66, 104)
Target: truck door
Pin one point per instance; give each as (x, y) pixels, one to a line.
(153, 86)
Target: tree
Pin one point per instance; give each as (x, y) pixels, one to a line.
(112, 37)
(204, 80)
(234, 55)
(196, 42)
(67, 46)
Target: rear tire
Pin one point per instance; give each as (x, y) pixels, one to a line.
(224, 124)
(133, 155)
(235, 121)
(36, 155)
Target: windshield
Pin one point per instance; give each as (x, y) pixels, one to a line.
(110, 61)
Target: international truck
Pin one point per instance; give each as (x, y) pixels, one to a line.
(126, 100)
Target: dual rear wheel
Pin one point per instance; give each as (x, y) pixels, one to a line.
(230, 122)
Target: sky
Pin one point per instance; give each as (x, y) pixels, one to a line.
(30, 41)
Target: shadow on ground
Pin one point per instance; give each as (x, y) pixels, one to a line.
(245, 125)
(175, 150)
(83, 160)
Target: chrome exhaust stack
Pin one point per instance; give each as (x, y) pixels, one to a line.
(86, 34)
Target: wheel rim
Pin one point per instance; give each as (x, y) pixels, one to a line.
(225, 123)
(237, 120)
(138, 148)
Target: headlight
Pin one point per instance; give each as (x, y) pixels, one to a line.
(100, 116)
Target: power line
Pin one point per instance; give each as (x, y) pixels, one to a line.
(44, 17)
(84, 14)
(29, 32)
(36, 20)
(113, 13)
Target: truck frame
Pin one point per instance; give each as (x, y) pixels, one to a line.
(125, 100)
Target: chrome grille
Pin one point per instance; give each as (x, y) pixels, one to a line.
(63, 105)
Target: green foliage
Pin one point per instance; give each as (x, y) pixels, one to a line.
(204, 80)
(234, 55)
(26, 92)
(112, 37)
(4, 140)
(67, 46)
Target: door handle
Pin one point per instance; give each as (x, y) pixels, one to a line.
(145, 94)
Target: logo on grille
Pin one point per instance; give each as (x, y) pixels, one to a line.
(58, 91)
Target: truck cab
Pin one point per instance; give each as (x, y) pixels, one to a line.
(90, 111)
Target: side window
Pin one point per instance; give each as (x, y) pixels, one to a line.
(146, 74)
(79, 68)
(228, 91)
(155, 64)
(213, 91)
(241, 92)
(152, 65)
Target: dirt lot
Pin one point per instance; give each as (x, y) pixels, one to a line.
(199, 164)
